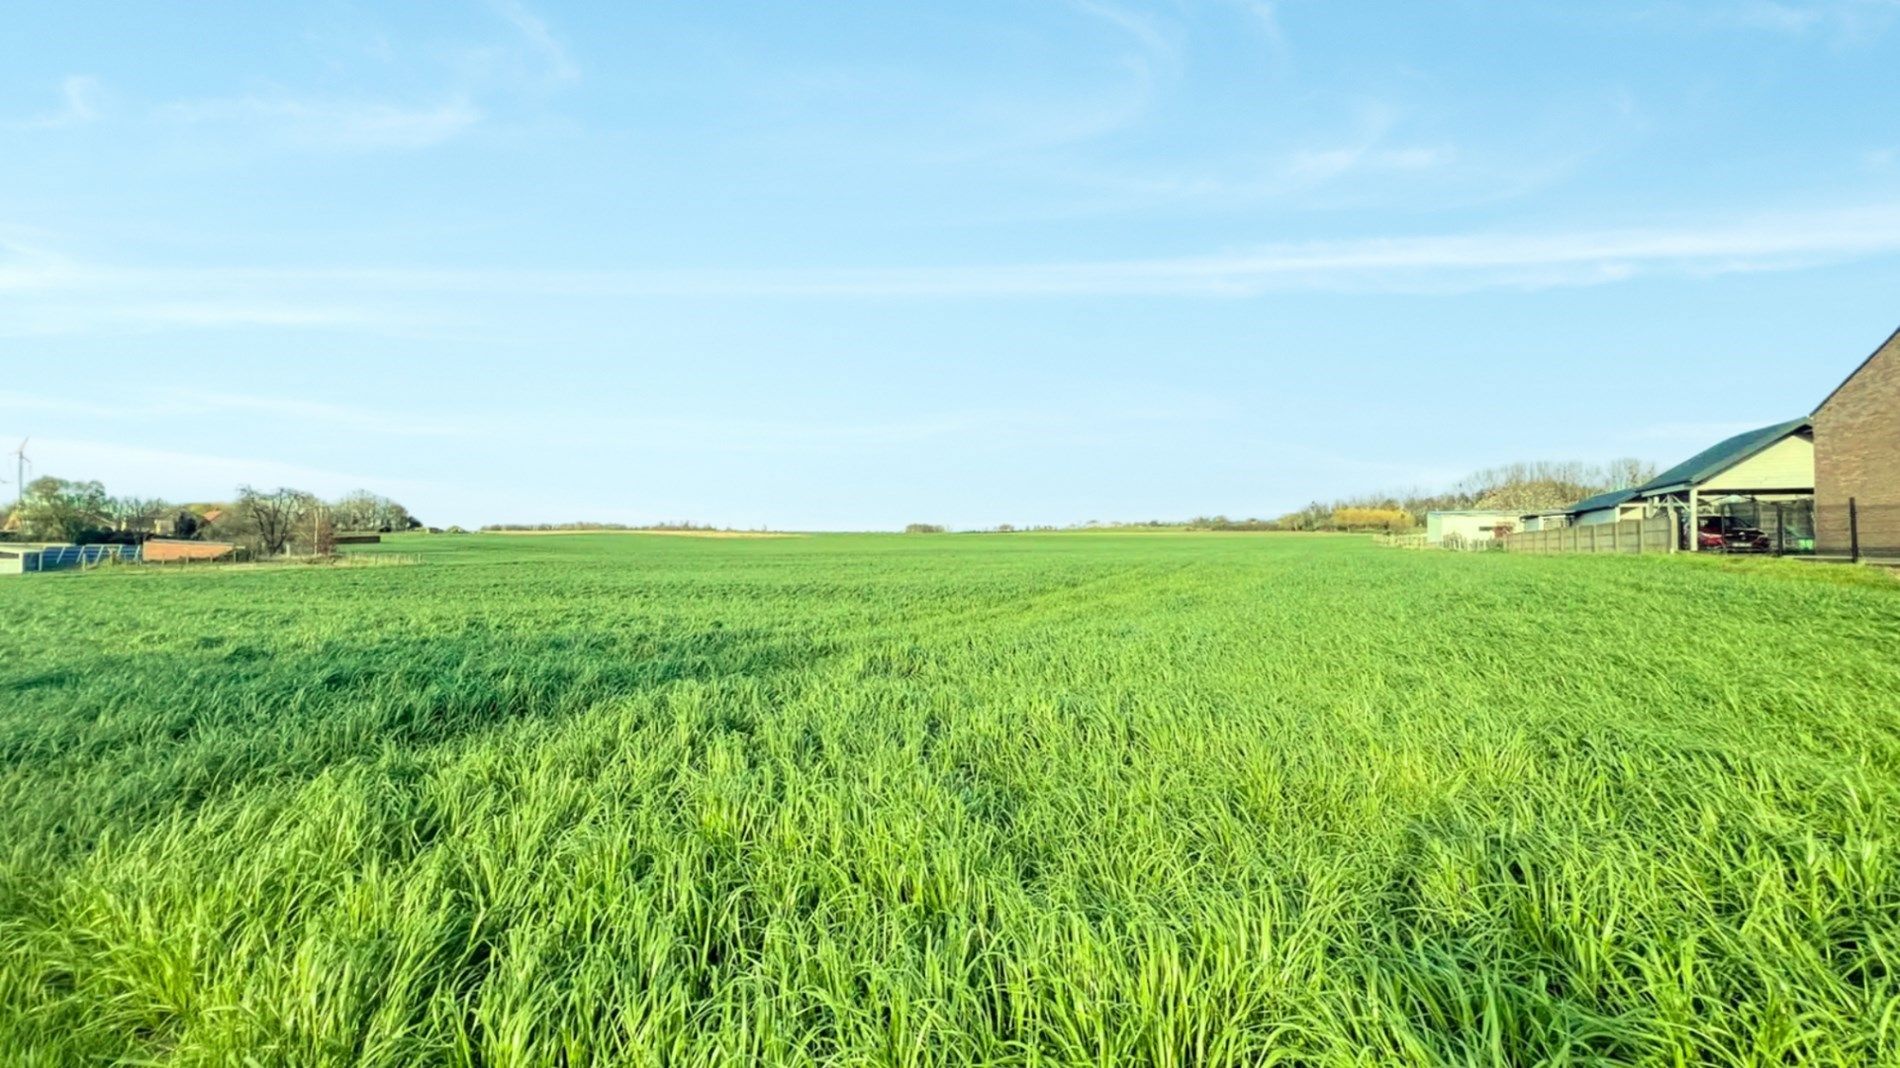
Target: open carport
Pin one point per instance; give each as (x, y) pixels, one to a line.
(1759, 481)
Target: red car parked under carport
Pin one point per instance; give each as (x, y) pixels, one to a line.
(1722, 534)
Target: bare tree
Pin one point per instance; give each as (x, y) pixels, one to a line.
(322, 530)
(356, 511)
(363, 510)
(1526, 486)
(1625, 472)
(272, 518)
(136, 514)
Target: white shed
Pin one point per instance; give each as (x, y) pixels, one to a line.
(1472, 524)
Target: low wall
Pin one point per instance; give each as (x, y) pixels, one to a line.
(1656, 534)
(168, 551)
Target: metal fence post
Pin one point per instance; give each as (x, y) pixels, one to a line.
(1853, 529)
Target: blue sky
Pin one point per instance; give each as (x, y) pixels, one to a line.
(856, 265)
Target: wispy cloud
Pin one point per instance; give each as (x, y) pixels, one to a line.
(82, 101)
(1770, 15)
(208, 313)
(1141, 54)
(174, 403)
(534, 31)
(1265, 15)
(1367, 149)
(1415, 264)
(69, 299)
(354, 125)
(1843, 22)
(339, 416)
(14, 401)
(25, 266)
(1156, 45)
(1695, 432)
(191, 475)
(524, 63)
(1075, 419)
(1375, 155)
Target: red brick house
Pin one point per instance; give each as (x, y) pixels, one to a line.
(1857, 458)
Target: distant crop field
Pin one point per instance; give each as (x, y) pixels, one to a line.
(1107, 799)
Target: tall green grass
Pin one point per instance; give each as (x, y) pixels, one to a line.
(1104, 799)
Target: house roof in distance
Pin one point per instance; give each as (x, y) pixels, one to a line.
(1606, 499)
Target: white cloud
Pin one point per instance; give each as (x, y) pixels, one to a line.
(1843, 22)
(72, 298)
(349, 125)
(1366, 160)
(1155, 44)
(174, 403)
(82, 100)
(346, 417)
(1313, 166)
(560, 67)
(190, 475)
(1696, 432)
(1366, 150)
(1003, 122)
(1441, 262)
(1416, 264)
(1768, 15)
(216, 314)
(289, 116)
(30, 267)
(1266, 18)
(1077, 418)
(11, 400)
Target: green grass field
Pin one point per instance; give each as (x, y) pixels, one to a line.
(1097, 799)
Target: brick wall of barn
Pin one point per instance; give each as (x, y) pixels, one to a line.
(1857, 454)
(165, 551)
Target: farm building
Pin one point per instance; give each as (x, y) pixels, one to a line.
(1857, 459)
(1548, 519)
(1759, 473)
(1605, 508)
(1473, 524)
(1761, 482)
(168, 550)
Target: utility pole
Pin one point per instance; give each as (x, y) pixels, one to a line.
(19, 475)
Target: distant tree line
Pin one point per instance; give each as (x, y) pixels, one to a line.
(264, 522)
(1523, 487)
(551, 527)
